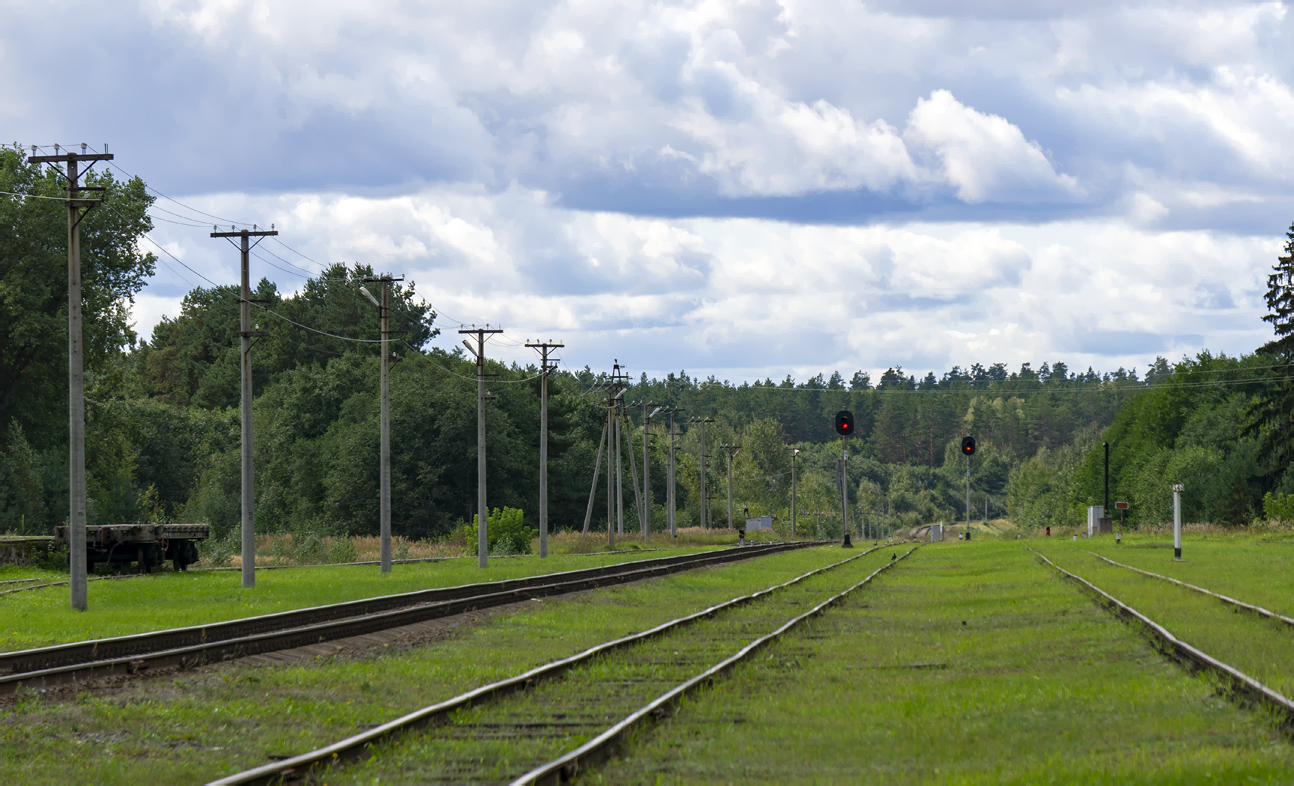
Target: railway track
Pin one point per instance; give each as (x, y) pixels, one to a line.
(1259, 610)
(1239, 682)
(196, 645)
(551, 722)
(32, 586)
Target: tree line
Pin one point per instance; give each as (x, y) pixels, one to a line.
(163, 429)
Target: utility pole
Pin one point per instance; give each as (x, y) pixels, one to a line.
(384, 311)
(482, 512)
(247, 333)
(794, 452)
(619, 383)
(597, 466)
(611, 525)
(670, 495)
(705, 501)
(545, 366)
(78, 208)
(731, 450)
(645, 508)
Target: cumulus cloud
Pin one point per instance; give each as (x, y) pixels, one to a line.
(763, 185)
(749, 298)
(984, 156)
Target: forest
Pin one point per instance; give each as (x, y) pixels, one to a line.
(163, 420)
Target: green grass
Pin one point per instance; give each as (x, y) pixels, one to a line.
(1261, 648)
(10, 572)
(1037, 685)
(478, 744)
(167, 600)
(1255, 569)
(192, 727)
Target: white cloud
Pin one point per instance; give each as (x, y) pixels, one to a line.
(984, 156)
(751, 298)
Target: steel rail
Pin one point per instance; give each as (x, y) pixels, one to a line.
(563, 769)
(1240, 682)
(309, 565)
(1239, 603)
(191, 646)
(357, 745)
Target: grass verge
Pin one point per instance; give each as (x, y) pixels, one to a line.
(167, 600)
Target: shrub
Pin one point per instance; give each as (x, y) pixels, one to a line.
(1278, 506)
(507, 532)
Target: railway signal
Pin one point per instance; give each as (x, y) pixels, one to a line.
(845, 428)
(968, 450)
(845, 423)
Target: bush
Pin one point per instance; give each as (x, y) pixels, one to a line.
(507, 532)
(1278, 506)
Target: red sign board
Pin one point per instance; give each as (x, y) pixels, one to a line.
(1120, 506)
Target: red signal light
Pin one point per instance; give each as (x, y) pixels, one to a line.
(844, 423)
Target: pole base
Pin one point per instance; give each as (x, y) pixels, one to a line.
(1177, 553)
(847, 544)
(968, 533)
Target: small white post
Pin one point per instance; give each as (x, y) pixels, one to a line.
(1178, 488)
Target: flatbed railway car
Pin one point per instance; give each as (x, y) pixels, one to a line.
(146, 544)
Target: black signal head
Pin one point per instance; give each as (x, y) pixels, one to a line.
(845, 423)
(968, 446)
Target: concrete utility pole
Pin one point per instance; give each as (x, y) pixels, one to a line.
(247, 333)
(384, 311)
(619, 382)
(705, 500)
(611, 524)
(597, 466)
(731, 450)
(794, 452)
(633, 464)
(78, 208)
(482, 512)
(645, 509)
(545, 366)
(670, 495)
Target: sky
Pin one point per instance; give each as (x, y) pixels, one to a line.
(738, 189)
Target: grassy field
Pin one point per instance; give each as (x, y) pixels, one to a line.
(1262, 648)
(969, 663)
(39, 617)
(1255, 569)
(485, 744)
(192, 727)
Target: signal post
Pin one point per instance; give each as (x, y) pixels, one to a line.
(845, 428)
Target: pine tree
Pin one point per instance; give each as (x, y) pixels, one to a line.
(1280, 302)
(1271, 416)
